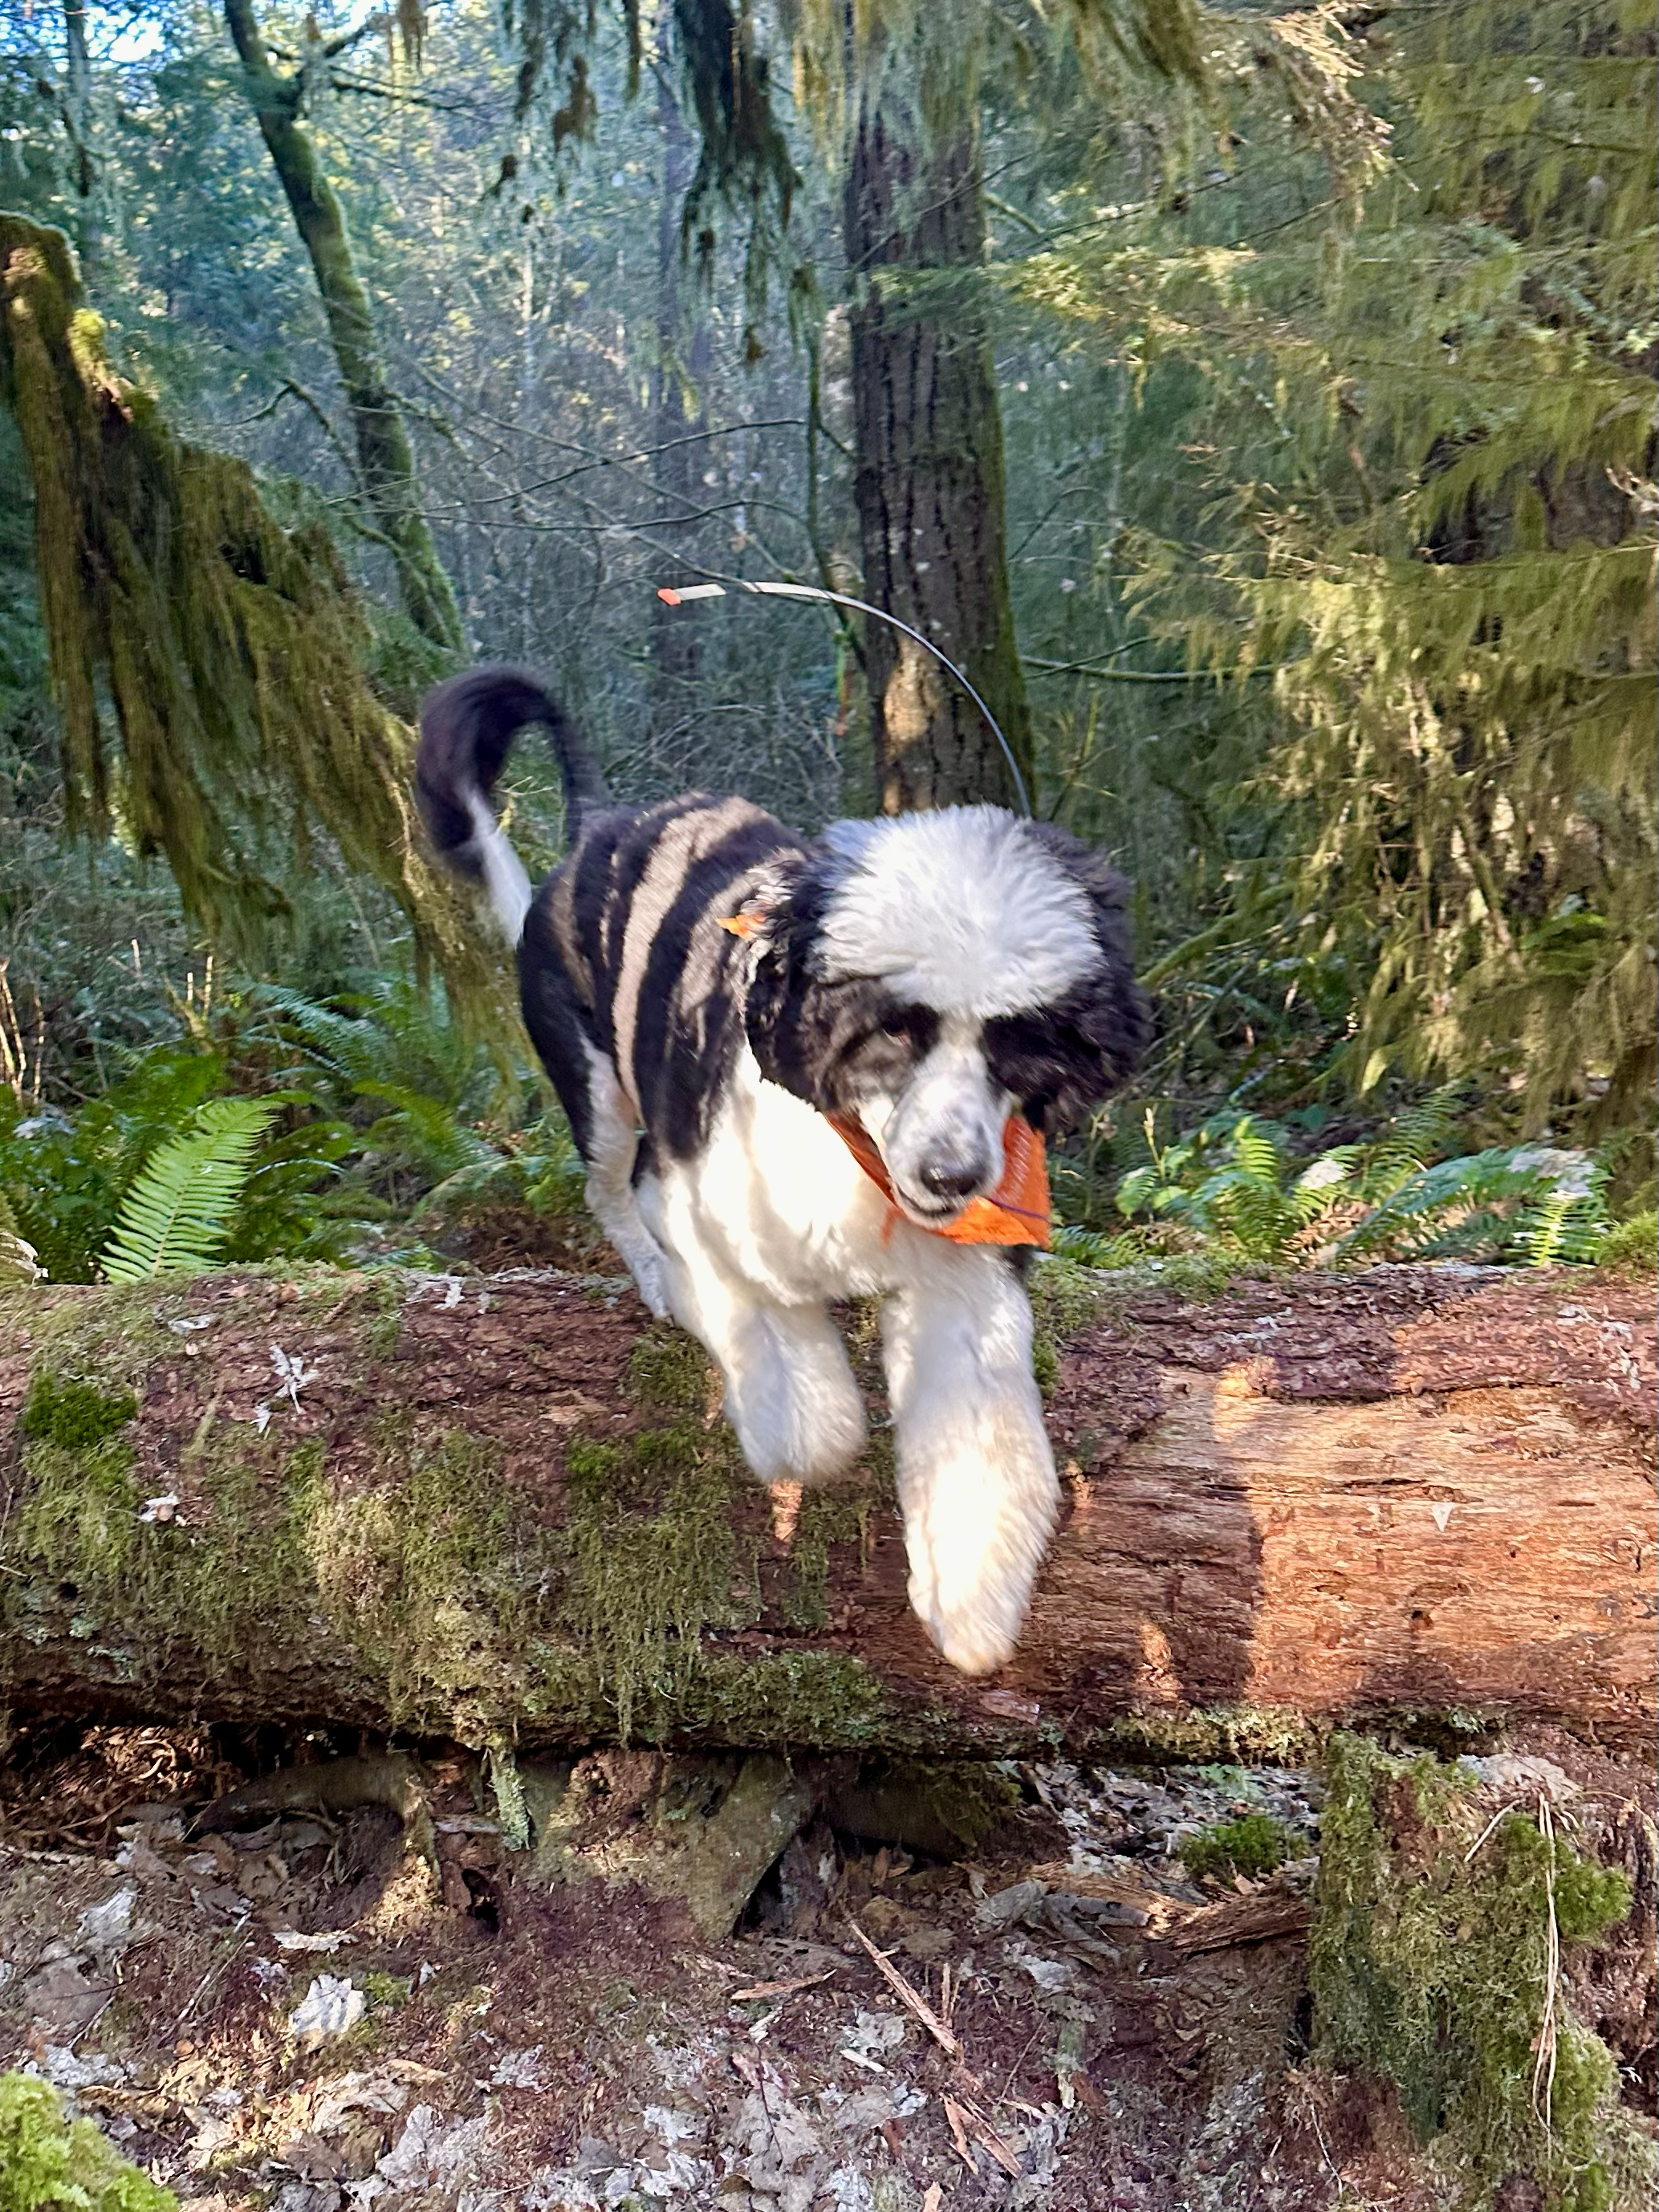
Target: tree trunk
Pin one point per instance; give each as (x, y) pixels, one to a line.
(929, 472)
(386, 461)
(684, 359)
(501, 1510)
(77, 108)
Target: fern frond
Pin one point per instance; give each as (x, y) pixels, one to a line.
(1255, 1151)
(177, 1212)
(1413, 1141)
(356, 1049)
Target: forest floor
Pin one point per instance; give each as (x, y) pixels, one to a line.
(478, 2039)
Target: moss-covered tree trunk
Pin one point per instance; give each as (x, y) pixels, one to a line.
(385, 460)
(929, 470)
(501, 1509)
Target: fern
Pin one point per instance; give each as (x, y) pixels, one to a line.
(177, 1215)
(1233, 1180)
(1412, 1139)
(1511, 1202)
(356, 1050)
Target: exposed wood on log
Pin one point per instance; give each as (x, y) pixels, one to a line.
(1332, 1497)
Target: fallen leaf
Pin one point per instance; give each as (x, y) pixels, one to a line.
(328, 2007)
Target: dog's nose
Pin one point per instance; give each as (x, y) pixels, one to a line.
(953, 1174)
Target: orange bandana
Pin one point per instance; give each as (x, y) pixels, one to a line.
(1017, 1211)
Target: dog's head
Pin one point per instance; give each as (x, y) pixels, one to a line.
(933, 974)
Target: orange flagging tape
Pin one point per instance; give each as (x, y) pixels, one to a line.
(1016, 1211)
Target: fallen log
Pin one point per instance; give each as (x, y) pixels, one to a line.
(503, 1511)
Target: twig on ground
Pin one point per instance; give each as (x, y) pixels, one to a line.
(909, 1995)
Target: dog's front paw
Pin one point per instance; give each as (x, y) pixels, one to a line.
(977, 1636)
(972, 1644)
(806, 1426)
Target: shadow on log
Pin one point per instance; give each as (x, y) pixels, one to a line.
(501, 1510)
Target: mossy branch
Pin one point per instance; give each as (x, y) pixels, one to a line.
(233, 649)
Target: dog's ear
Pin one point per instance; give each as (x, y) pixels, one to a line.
(783, 998)
(1108, 1012)
(1108, 892)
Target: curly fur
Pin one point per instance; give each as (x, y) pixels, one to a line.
(930, 974)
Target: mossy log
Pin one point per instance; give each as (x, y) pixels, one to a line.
(504, 1510)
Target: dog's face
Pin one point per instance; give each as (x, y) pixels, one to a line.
(933, 974)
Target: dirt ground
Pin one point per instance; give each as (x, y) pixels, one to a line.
(293, 2010)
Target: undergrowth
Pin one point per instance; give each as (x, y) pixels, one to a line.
(1432, 1964)
(1254, 1844)
(1248, 1185)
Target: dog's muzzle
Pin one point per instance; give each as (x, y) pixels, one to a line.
(950, 1179)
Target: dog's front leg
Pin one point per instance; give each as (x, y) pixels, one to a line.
(790, 1392)
(975, 1471)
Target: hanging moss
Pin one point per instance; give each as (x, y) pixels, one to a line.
(234, 650)
(827, 1517)
(1430, 1966)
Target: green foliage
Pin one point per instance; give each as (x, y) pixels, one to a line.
(220, 632)
(49, 2163)
(1419, 493)
(1430, 1963)
(1254, 1844)
(175, 1217)
(370, 1108)
(67, 1178)
(1633, 1246)
(393, 1047)
(1238, 1181)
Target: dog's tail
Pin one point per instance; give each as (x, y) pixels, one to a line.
(467, 729)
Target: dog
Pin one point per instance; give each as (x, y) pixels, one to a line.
(796, 1070)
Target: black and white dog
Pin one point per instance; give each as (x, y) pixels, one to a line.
(706, 990)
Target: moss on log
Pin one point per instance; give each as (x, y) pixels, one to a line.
(503, 1511)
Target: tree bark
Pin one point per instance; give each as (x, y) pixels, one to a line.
(385, 460)
(928, 479)
(77, 106)
(500, 1510)
(684, 357)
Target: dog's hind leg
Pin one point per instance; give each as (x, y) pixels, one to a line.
(977, 1479)
(612, 1143)
(601, 1118)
